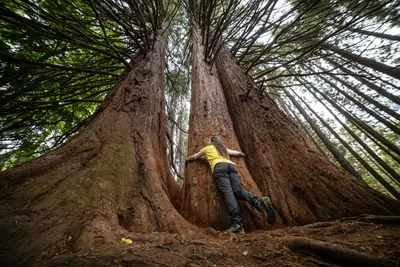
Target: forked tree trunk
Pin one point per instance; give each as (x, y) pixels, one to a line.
(304, 186)
(199, 201)
(112, 178)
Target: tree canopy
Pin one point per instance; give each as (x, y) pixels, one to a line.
(331, 65)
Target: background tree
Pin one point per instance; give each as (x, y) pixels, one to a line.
(177, 84)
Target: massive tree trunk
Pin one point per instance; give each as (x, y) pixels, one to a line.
(199, 201)
(109, 180)
(304, 186)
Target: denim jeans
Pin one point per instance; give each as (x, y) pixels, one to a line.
(227, 179)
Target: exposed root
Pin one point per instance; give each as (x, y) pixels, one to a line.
(369, 218)
(319, 225)
(381, 219)
(337, 253)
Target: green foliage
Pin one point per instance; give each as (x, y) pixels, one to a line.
(58, 61)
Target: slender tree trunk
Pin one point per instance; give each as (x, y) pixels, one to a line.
(200, 202)
(305, 130)
(373, 76)
(382, 147)
(303, 184)
(361, 124)
(375, 34)
(386, 123)
(337, 155)
(109, 180)
(179, 148)
(367, 83)
(380, 106)
(379, 118)
(377, 66)
(375, 174)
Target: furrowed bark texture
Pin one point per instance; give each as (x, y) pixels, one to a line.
(199, 202)
(304, 186)
(112, 178)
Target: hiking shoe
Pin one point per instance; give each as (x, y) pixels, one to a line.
(237, 228)
(264, 205)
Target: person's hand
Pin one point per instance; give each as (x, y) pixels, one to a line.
(191, 158)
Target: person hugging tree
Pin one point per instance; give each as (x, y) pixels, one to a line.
(228, 183)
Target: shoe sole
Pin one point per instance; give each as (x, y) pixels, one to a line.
(268, 210)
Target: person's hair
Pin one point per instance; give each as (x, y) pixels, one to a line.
(219, 145)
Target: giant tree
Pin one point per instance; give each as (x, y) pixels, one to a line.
(199, 201)
(283, 163)
(113, 176)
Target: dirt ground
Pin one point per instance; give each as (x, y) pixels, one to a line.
(346, 242)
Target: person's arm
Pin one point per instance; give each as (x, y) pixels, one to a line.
(235, 153)
(195, 156)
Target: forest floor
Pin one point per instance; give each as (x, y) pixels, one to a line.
(361, 241)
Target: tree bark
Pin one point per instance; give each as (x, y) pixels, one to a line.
(111, 179)
(304, 185)
(199, 201)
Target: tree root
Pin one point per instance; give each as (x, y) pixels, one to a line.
(374, 219)
(319, 225)
(381, 219)
(337, 253)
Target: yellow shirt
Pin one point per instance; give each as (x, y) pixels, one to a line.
(213, 157)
